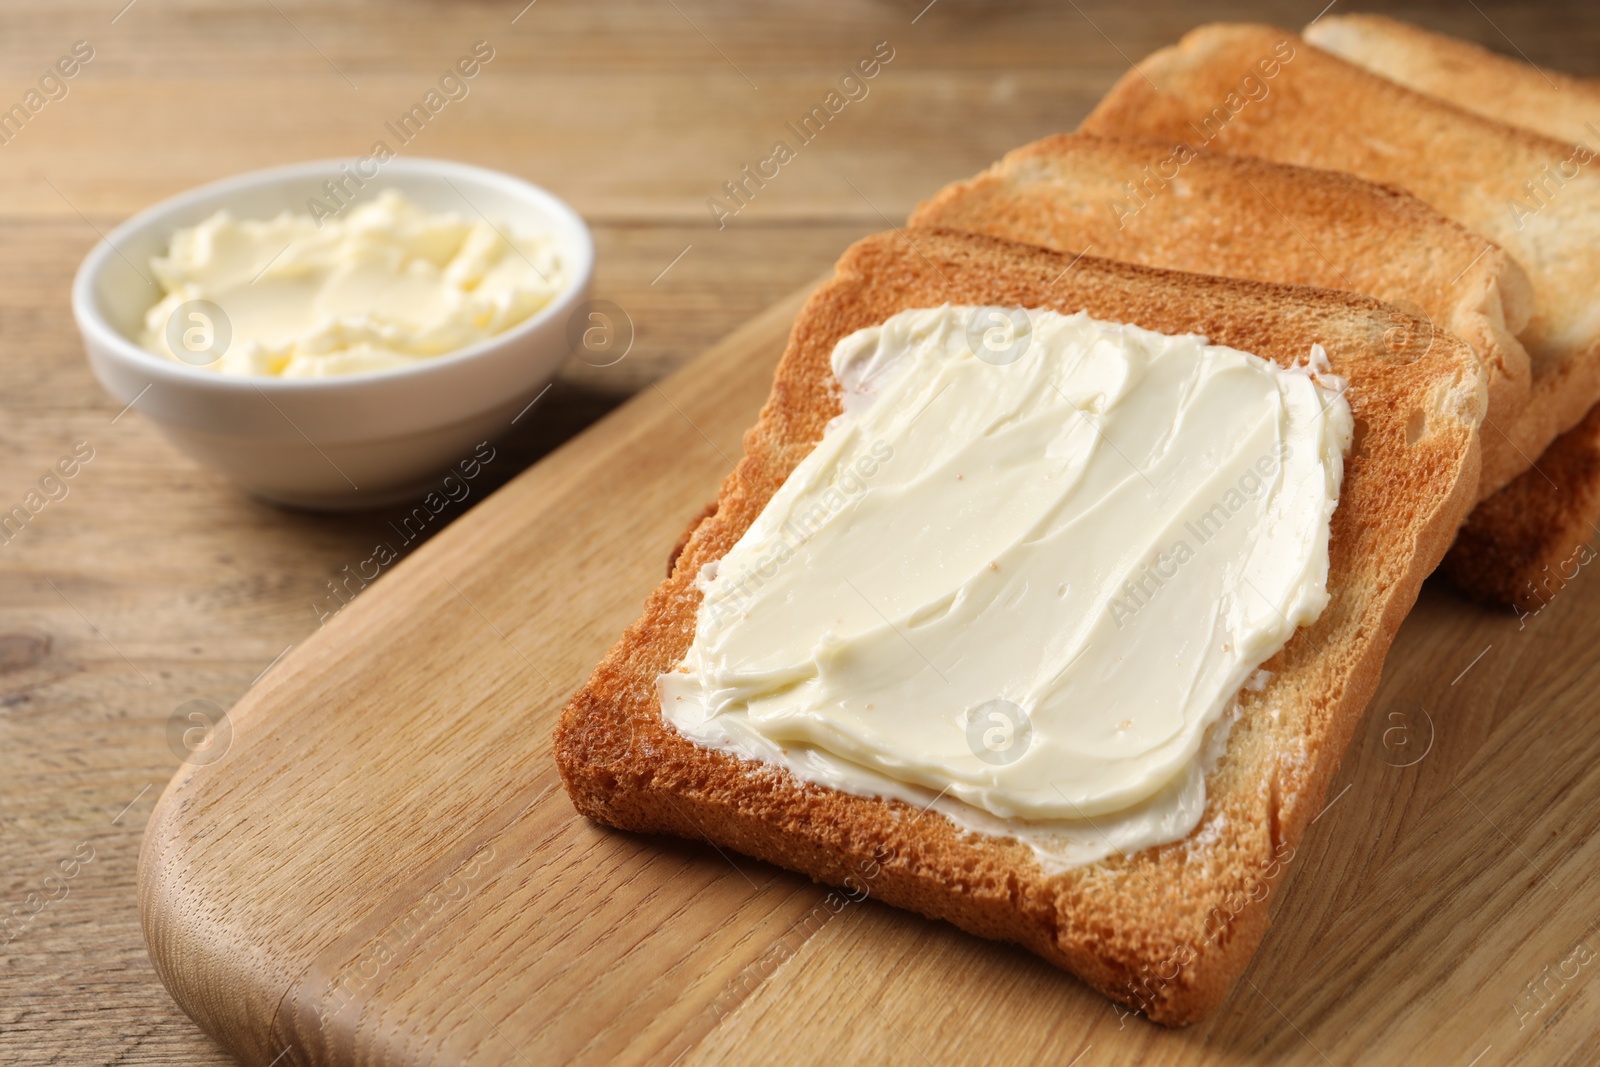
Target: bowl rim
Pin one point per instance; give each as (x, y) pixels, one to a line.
(578, 243)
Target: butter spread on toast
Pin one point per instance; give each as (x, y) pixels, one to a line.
(1023, 575)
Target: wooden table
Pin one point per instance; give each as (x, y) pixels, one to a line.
(152, 582)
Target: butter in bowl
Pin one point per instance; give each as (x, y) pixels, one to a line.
(332, 340)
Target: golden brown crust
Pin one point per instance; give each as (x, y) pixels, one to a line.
(1319, 110)
(688, 532)
(1520, 547)
(1167, 930)
(1146, 200)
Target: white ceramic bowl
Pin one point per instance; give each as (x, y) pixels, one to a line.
(346, 442)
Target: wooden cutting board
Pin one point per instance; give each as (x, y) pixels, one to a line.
(382, 866)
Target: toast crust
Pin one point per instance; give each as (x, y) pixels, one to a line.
(1521, 547)
(1166, 930)
(1319, 110)
(1140, 200)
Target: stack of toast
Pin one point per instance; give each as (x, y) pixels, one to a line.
(1534, 196)
(1280, 195)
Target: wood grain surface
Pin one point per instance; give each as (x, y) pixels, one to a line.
(1443, 902)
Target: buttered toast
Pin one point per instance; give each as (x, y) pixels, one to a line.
(1168, 929)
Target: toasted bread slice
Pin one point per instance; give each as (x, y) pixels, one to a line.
(1166, 930)
(1149, 201)
(1520, 547)
(1520, 94)
(1320, 111)
(1523, 545)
